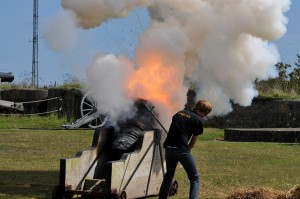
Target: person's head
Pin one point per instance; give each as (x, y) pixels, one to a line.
(202, 107)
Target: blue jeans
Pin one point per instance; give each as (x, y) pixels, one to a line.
(173, 156)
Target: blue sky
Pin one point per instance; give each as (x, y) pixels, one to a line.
(117, 36)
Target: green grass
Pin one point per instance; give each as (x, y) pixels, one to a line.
(227, 166)
(29, 160)
(22, 85)
(273, 95)
(20, 121)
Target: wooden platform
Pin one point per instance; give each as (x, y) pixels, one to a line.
(137, 174)
(285, 135)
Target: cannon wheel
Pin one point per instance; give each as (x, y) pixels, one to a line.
(86, 106)
(174, 188)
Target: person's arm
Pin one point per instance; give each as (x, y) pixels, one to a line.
(193, 141)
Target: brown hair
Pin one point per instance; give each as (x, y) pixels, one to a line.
(203, 106)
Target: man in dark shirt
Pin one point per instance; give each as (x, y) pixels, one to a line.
(183, 133)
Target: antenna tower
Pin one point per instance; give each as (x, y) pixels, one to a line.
(35, 46)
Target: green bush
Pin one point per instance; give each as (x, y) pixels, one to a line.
(285, 86)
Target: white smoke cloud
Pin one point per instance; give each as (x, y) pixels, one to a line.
(108, 75)
(60, 32)
(224, 46)
(230, 44)
(92, 13)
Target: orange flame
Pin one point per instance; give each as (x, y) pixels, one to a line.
(157, 81)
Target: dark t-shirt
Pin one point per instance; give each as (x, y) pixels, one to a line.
(184, 124)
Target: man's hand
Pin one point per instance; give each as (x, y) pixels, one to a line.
(193, 141)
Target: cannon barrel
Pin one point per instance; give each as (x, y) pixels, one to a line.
(6, 77)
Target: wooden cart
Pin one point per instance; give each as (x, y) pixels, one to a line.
(91, 174)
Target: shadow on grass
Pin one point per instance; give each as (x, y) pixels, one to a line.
(27, 184)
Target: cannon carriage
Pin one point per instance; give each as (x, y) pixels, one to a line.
(94, 174)
(99, 172)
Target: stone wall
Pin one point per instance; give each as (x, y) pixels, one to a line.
(70, 101)
(263, 113)
(25, 95)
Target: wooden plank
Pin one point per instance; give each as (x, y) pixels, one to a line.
(94, 184)
(74, 169)
(134, 174)
(77, 167)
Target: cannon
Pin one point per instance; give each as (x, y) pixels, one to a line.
(9, 77)
(108, 171)
(6, 77)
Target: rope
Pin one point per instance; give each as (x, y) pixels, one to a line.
(40, 100)
(36, 101)
(29, 114)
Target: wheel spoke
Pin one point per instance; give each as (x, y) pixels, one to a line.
(87, 105)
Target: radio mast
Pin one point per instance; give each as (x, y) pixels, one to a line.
(35, 46)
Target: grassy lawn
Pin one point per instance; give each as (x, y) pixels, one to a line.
(29, 160)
